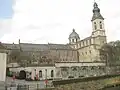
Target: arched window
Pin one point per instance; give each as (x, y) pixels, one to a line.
(52, 73)
(76, 40)
(40, 74)
(100, 25)
(72, 40)
(95, 26)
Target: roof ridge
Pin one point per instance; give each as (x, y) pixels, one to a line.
(33, 44)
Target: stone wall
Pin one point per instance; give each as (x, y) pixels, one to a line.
(90, 83)
(76, 72)
(42, 72)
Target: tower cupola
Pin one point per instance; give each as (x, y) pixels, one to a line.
(96, 12)
(73, 37)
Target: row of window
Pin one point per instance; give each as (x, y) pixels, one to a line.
(84, 43)
(85, 53)
(100, 25)
(74, 40)
(40, 74)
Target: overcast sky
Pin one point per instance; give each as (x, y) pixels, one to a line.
(43, 21)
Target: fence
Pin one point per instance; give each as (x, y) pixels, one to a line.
(29, 87)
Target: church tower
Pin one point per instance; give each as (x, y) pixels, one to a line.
(98, 26)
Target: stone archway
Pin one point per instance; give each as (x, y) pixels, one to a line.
(22, 74)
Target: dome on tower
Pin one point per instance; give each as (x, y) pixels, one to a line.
(74, 35)
(96, 12)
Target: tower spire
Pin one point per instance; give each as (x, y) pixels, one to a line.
(96, 12)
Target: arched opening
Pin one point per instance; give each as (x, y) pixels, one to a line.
(76, 40)
(100, 25)
(73, 40)
(95, 26)
(22, 74)
(40, 74)
(52, 73)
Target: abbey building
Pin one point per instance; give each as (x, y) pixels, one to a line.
(88, 48)
(78, 53)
